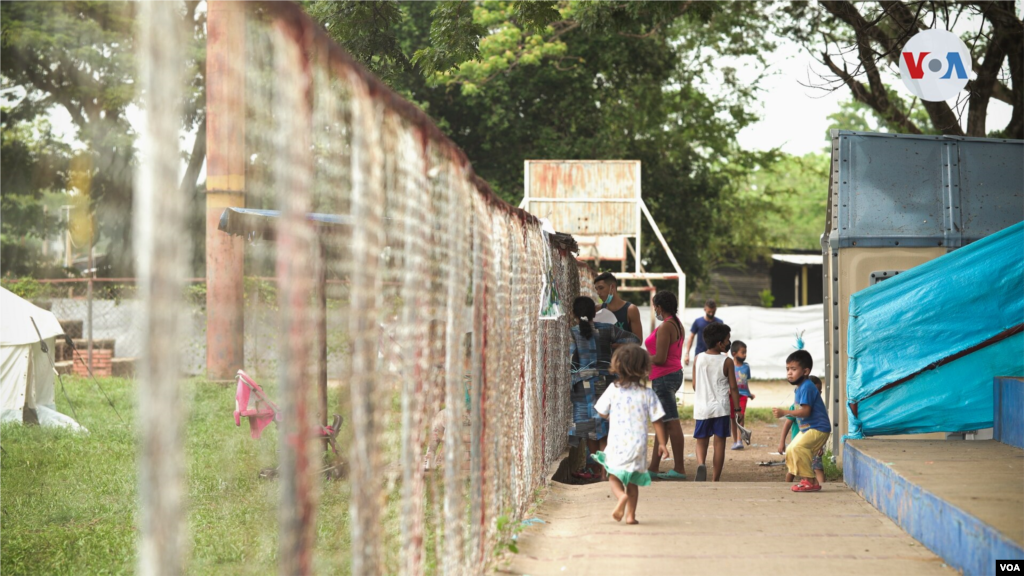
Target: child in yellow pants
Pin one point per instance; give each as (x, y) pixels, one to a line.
(812, 417)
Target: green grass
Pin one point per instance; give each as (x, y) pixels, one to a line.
(833, 473)
(69, 500)
(752, 414)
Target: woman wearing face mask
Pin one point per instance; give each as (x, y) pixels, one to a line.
(591, 352)
(665, 345)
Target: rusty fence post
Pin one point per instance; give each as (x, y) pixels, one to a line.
(225, 186)
(296, 242)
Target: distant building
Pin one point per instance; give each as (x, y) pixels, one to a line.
(796, 279)
(792, 277)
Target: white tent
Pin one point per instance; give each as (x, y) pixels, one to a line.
(26, 372)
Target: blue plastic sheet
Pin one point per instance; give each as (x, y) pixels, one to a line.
(901, 326)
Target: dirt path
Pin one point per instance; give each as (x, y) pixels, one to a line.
(726, 528)
(741, 465)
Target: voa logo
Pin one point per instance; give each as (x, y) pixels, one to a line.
(934, 65)
(1008, 566)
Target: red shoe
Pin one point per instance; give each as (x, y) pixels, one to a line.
(805, 486)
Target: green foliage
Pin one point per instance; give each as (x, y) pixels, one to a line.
(27, 288)
(601, 81)
(797, 188)
(369, 30)
(34, 167)
(508, 530)
(833, 473)
(767, 299)
(78, 56)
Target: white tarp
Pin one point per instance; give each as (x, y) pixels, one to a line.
(26, 372)
(769, 333)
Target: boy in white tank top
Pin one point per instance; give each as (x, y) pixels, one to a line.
(714, 381)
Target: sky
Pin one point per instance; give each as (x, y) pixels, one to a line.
(795, 117)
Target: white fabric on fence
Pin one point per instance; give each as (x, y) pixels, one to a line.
(769, 333)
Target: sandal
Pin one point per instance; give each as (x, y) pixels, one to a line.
(808, 487)
(584, 475)
(670, 475)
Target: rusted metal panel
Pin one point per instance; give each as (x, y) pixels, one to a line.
(590, 197)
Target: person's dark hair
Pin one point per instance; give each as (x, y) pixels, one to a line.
(667, 301)
(816, 381)
(632, 364)
(606, 277)
(710, 304)
(714, 333)
(736, 345)
(583, 307)
(801, 357)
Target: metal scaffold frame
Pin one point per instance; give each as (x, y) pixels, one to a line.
(580, 192)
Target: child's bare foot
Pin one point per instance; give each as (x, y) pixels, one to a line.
(620, 508)
(632, 521)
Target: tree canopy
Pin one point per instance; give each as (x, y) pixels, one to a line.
(512, 81)
(859, 44)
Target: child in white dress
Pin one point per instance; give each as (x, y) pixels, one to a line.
(628, 406)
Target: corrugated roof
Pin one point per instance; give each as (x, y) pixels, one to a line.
(798, 259)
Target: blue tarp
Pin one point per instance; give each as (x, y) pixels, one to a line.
(901, 327)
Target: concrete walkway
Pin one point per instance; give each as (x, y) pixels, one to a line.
(725, 528)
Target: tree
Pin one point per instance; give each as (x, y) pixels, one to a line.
(34, 164)
(597, 81)
(797, 186)
(869, 36)
(79, 56)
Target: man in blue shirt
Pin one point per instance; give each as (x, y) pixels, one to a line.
(697, 330)
(812, 417)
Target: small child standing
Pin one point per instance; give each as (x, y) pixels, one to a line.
(714, 382)
(739, 358)
(628, 406)
(792, 430)
(812, 417)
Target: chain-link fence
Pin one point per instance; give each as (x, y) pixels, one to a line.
(364, 270)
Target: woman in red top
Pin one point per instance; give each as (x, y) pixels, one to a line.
(665, 345)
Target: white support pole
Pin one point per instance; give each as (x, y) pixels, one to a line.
(668, 251)
(652, 275)
(526, 184)
(639, 222)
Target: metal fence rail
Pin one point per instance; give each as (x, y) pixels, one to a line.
(434, 290)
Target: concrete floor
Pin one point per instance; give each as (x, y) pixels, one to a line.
(984, 478)
(726, 528)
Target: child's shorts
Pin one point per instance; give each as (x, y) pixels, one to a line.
(743, 404)
(712, 427)
(816, 464)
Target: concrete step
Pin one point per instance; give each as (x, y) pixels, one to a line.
(963, 499)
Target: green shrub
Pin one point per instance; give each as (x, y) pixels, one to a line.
(27, 288)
